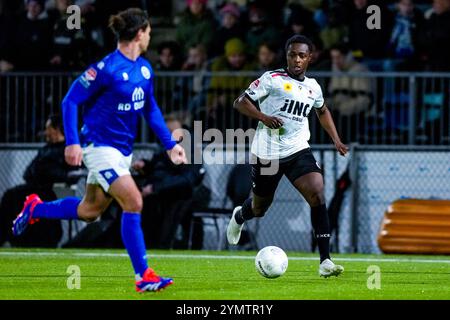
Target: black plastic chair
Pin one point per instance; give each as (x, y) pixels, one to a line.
(238, 189)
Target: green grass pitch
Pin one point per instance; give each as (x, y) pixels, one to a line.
(228, 275)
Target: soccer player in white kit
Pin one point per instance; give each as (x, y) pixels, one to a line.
(281, 100)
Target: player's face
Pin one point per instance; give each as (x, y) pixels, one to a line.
(298, 57)
(144, 39)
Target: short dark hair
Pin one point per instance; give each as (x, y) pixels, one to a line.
(173, 46)
(56, 122)
(299, 39)
(126, 24)
(342, 48)
(172, 117)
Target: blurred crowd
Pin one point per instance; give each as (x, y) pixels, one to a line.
(225, 35)
(203, 36)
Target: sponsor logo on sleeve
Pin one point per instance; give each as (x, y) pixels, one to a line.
(90, 74)
(254, 84)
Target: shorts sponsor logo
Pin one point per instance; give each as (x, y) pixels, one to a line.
(109, 175)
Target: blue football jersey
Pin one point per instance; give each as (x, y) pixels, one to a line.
(115, 92)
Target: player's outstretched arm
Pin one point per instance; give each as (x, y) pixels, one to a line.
(247, 107)
(326, 121)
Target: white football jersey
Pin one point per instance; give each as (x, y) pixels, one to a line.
(277, 94)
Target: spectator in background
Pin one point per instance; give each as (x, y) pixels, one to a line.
(169, 56)
(32, 38)
(196, 59)
(435, 37)
(320, 59)
(7, 16)
(44, 170)
(68, 45)
(403, 47)
(230, 27)
(259, 30)
(301, 22)
(191, 91)
(169, 59)
(350, 97)
(223, 89)
(275, 8)
(168, 191)
(370, 45)
(196, 26)
(336, 30)
(268, 58)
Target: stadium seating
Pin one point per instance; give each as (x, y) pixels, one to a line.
(416, 226)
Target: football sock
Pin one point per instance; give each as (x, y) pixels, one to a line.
(65, 208)
(133, 239)
(321, 225)
(245, 213)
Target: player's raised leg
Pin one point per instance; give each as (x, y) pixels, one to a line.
(311, 187)
(263, 189)
(88, 209)
(125, 191)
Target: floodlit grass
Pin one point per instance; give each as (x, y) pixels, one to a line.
(229, 275)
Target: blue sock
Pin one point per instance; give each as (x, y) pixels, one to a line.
(133, 239)
(65, 208)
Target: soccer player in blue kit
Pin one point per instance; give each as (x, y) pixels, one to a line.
(114, 93)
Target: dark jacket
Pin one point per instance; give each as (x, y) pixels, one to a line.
(48, 167)
(435, 42)
(169, 179)
(31, 43)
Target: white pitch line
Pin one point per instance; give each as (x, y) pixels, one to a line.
(208, 256)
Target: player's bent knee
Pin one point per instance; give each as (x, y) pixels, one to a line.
(90, 212)
(134, 205)
(89, 216)
(317, 198)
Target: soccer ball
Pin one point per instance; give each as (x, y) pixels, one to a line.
(271, 262)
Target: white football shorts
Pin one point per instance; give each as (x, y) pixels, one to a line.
(105, 165)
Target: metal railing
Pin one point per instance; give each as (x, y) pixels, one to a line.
(368, 108)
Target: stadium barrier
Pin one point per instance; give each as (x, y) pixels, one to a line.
(379, 175)
(369, 108)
